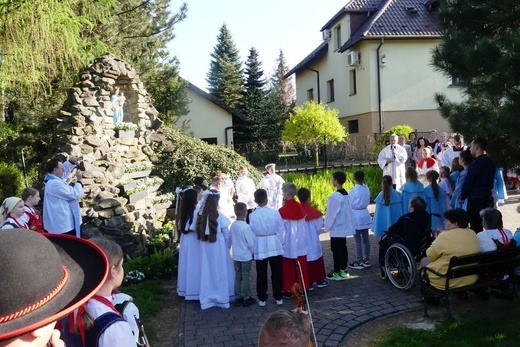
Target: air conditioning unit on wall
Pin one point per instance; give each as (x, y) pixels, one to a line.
(326, 34)
(353, 58)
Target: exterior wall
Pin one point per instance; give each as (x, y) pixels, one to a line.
(408, 85)
(207, 120)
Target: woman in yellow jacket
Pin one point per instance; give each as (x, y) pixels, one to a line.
(457, 240)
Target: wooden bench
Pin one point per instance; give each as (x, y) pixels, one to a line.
(492, 268)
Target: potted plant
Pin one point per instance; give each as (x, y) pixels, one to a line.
(143, 188)
(125, 130)
(163, 201)
(137, 170)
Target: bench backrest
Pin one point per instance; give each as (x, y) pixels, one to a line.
(503, 260)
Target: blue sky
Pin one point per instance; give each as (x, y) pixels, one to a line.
(268, 25)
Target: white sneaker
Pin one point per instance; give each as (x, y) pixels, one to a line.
(261, 303)
(279, 302)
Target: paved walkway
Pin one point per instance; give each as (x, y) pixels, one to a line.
(336, 310)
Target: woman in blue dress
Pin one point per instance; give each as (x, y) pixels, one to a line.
(465, 160)
(388, 207)
(411, 188)
(499, 188)
(435, 198)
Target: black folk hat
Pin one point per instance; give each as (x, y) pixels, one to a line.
(45, 277)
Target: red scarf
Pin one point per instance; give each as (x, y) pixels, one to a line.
(429, 162)
(292, 210)
(81, 312)
(312, 212)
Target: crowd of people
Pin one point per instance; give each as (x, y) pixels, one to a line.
(273, 225)
(276, 226)
(447, 188)
(76, 279)
(471, 181)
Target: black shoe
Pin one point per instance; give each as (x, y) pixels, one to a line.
(249, 302)
(287, 295)
(239, 302)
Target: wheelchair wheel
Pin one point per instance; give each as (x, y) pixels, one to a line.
(400, 266)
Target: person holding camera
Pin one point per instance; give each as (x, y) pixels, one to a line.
(392, 160)
(61, 212)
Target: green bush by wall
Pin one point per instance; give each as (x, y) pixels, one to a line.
(192, 157)
(12, 181)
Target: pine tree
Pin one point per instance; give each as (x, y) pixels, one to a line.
(225, 77)
(480, 49)
(254, 74)
(284, 85)
(254, 96)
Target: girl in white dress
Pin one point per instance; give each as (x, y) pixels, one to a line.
(217, 274)
(188, 281)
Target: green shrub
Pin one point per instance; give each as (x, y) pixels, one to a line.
(321, 186)
(191, 157)
(398, 129)
(160, 264)
(12, 181)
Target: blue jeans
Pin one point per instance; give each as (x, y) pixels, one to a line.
(362, 235)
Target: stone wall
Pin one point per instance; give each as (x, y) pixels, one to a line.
(85, 128)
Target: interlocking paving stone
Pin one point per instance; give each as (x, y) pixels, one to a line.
(336, 310)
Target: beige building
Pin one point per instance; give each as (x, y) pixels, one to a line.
(209, 119)
(374, 66)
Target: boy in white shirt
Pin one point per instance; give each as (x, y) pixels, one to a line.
(360, 198)
(267, 225)
(338, 222)
(243, 242)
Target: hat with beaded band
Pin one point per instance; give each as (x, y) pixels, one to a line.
(45, 277)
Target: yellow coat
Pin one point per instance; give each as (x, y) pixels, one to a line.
(455, 242)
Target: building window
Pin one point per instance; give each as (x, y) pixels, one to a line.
(337, 36)
(210, 140)
(330, 90)
(455, 81)
(310, 94)
(353, 126)
(352, 79)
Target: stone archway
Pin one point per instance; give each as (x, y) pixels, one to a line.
(85, 128)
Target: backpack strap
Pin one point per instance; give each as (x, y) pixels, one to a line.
(122, 306)
(505, 239)
(100, 325)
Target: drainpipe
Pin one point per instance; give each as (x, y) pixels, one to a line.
(317, 81)
(379, 102)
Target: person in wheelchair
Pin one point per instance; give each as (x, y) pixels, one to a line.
(412, 228)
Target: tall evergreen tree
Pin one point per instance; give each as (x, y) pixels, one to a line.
(284, 85)
(480, 49)
(255, 80)
(225, 77)
(253, 104)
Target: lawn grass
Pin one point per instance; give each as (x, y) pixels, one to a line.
(499, 329)
(149, 298)
(321, 187)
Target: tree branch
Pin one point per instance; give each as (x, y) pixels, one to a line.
(144, 3)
